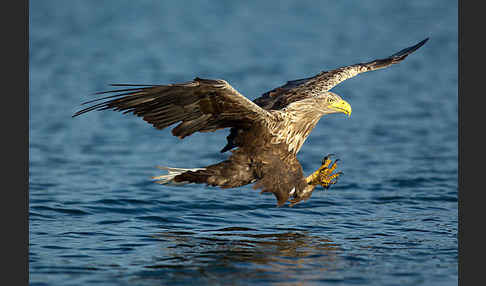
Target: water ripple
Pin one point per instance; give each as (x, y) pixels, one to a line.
(69, 211)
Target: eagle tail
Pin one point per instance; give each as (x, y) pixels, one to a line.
(171, 174)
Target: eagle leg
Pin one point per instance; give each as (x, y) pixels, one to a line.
(323, 176)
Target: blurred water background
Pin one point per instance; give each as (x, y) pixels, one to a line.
(96, 218)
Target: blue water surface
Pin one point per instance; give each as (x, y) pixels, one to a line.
(96, 218)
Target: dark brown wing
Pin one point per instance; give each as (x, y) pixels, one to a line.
(200, 105)
(299, 89)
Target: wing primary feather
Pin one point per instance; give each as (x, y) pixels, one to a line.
(129, 84)
(393, 59)
(107, 97)
(117, 90)
(409, 50)
(115, 103)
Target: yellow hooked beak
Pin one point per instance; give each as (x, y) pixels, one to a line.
(341, 106)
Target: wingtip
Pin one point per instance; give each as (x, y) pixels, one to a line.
(421, 43)
(76, 114)
(417, 46)
(407, 51)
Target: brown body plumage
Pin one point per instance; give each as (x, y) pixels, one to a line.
(266, 134)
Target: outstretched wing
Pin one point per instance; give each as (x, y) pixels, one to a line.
(292, 91)
(200, 105)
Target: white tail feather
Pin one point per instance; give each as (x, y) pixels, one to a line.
(172, 172)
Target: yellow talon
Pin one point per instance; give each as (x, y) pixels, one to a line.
(326, 161)
(324, 175)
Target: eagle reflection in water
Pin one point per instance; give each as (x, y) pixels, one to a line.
(236, 254)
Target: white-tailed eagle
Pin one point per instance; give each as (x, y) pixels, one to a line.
(265, 134)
